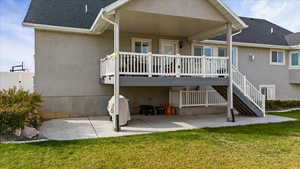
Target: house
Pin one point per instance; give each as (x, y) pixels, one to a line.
(157, 52)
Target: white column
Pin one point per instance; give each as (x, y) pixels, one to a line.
(230, 85)
(116, 73)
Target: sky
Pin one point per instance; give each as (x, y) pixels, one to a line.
(17, 42)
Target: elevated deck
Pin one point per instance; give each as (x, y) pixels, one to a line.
(147, 69)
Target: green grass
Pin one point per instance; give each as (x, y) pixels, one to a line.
(274, 146)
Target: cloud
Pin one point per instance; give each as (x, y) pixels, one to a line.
(16, 42)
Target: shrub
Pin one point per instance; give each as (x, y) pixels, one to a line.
(17, 109)
(280, 105)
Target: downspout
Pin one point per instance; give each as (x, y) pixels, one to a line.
(231, 110)
(116, 123)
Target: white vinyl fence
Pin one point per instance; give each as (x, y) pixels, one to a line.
(16, 79)
(194, 98)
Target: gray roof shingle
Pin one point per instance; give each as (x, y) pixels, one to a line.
(71, 13)
(293, 39)
(67, 13)
(259, 31)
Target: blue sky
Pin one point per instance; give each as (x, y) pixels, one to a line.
(17, 42)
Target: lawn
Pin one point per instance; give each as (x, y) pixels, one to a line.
(274, 146)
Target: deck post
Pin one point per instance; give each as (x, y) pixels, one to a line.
(180, 99)
(230, 85)
(116, 124)
(204, 65)
(177, 65)
(206, 98)
(150, 64)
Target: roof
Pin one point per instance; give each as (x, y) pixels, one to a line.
(65, 13)
(261, 31)
(293, 39)
(72, 13)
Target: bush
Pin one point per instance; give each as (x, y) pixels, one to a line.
(280, 105)
(18, 108)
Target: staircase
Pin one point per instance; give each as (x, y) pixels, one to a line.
(247, 100)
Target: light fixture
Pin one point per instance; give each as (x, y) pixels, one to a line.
(251, 57)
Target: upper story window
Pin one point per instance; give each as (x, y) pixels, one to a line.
(295, 59)
(277, 57)
(222, 52)
(141, 45)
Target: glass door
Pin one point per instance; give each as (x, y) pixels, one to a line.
(169, 47)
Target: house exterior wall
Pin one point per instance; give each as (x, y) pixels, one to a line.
(67, 72)
(261, 72)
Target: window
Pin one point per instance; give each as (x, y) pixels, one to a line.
(208, 51)
(295, 59)
(277, 58)
(268, 91)
(169, 47)
(199, 50)
(141, 45)
(222, 52)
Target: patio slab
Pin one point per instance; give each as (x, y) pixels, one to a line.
(99, 127)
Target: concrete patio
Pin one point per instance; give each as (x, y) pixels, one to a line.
(99, 127)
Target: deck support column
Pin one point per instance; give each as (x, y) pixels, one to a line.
(116, 123)
(230, 85)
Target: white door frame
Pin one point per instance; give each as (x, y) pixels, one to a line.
(204, 46)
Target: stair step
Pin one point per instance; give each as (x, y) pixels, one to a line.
(240, 102)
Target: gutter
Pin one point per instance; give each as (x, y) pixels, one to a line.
(57, 28)
(240, 31)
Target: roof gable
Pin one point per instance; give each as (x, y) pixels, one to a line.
(198, 9)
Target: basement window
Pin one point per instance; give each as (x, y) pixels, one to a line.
(269, 91)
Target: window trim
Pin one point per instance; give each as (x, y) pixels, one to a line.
(204, 46)
(162, 41)
(237, 54)
(237, 57)
(276, 63)
(290, 60)
(269, 86)
(133, 40)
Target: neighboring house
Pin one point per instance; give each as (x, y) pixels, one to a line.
(19, 80)
(163, 53)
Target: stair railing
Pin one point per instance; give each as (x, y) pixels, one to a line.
(248, 89)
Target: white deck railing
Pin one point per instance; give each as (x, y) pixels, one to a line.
(165, 65)
(248, 89)
(194, 98)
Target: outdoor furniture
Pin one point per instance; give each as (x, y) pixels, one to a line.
(147, 110)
